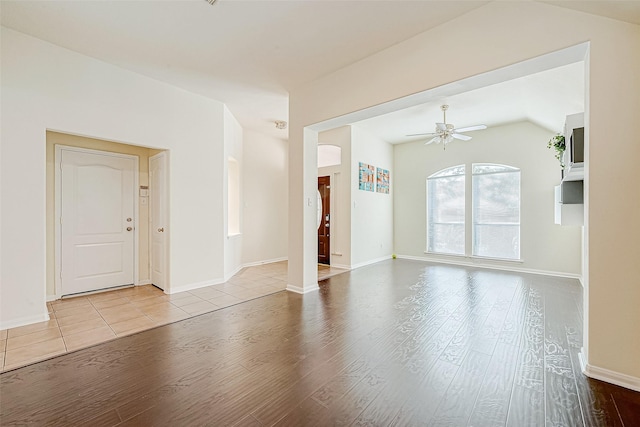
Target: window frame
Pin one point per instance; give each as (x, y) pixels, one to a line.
(504, 169)
(470, 223)
(441, 174)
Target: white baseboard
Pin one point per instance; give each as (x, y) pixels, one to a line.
(192, 286)
(341, 266)
(462, 261)
(268, 261)
(606, 375)
(233, 273)
(23, 321)
(52, 298)
(143, 282)
(302, 291)
(372, 261)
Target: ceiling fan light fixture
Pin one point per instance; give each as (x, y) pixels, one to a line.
(446, 132)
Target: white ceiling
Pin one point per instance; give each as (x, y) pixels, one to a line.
(250, 54)
(544, 98)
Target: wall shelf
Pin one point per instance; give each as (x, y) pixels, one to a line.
(569, 195)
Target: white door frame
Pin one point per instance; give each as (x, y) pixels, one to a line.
(167, 229)
(58, 209)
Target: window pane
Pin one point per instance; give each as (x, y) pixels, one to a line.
(446, 238)
(446, 211)
(479, 168)
(496, 211)
(455, 170)
(497, 241)
(497, 198)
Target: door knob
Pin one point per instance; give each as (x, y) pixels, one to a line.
(129, 219)
(161, 230)
(326, 225)
(129, 228)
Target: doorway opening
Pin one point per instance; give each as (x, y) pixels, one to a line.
(139, 222)
(324, 216)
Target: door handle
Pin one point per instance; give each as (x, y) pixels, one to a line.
(161, 230)
(326, 225)
(129, 228)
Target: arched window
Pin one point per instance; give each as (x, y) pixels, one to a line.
(496, 211)
(446, 211)
(329, 155)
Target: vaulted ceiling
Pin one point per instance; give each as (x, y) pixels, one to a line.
(250, 54)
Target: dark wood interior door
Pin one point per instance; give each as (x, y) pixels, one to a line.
(324, 246)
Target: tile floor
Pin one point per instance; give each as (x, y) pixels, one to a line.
(84, 321)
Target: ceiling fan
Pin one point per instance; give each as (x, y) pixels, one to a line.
(446, 132)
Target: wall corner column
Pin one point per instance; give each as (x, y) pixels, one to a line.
(303, 176)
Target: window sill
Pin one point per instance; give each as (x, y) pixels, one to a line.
(485, 258)
(446, 254)
(475, 257)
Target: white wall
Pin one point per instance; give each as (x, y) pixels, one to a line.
(361, 221)
(341, 190)
(372, 214)
(493, 36)
(232, 148)
(522, 145)
(45, 87)
(265, 190)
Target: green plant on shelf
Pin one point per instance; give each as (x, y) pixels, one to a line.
(557, 143)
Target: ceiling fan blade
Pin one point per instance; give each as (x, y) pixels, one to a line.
(436, 139)
(441, 126)
(471, 128)
(422, 134)
(461, 137)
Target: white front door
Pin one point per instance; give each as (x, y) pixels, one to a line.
(97, 220)
(158, 218)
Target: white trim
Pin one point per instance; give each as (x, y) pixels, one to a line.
(613, 377)
(341, 266)
(57, 202)
(99, 291)
(583, 360)
(193, 286)
(492, 266)
(167, 209)
(372, 261)
(233, 273)
(23, 321)
(268, 261)
(488, 258)
(302, 291)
